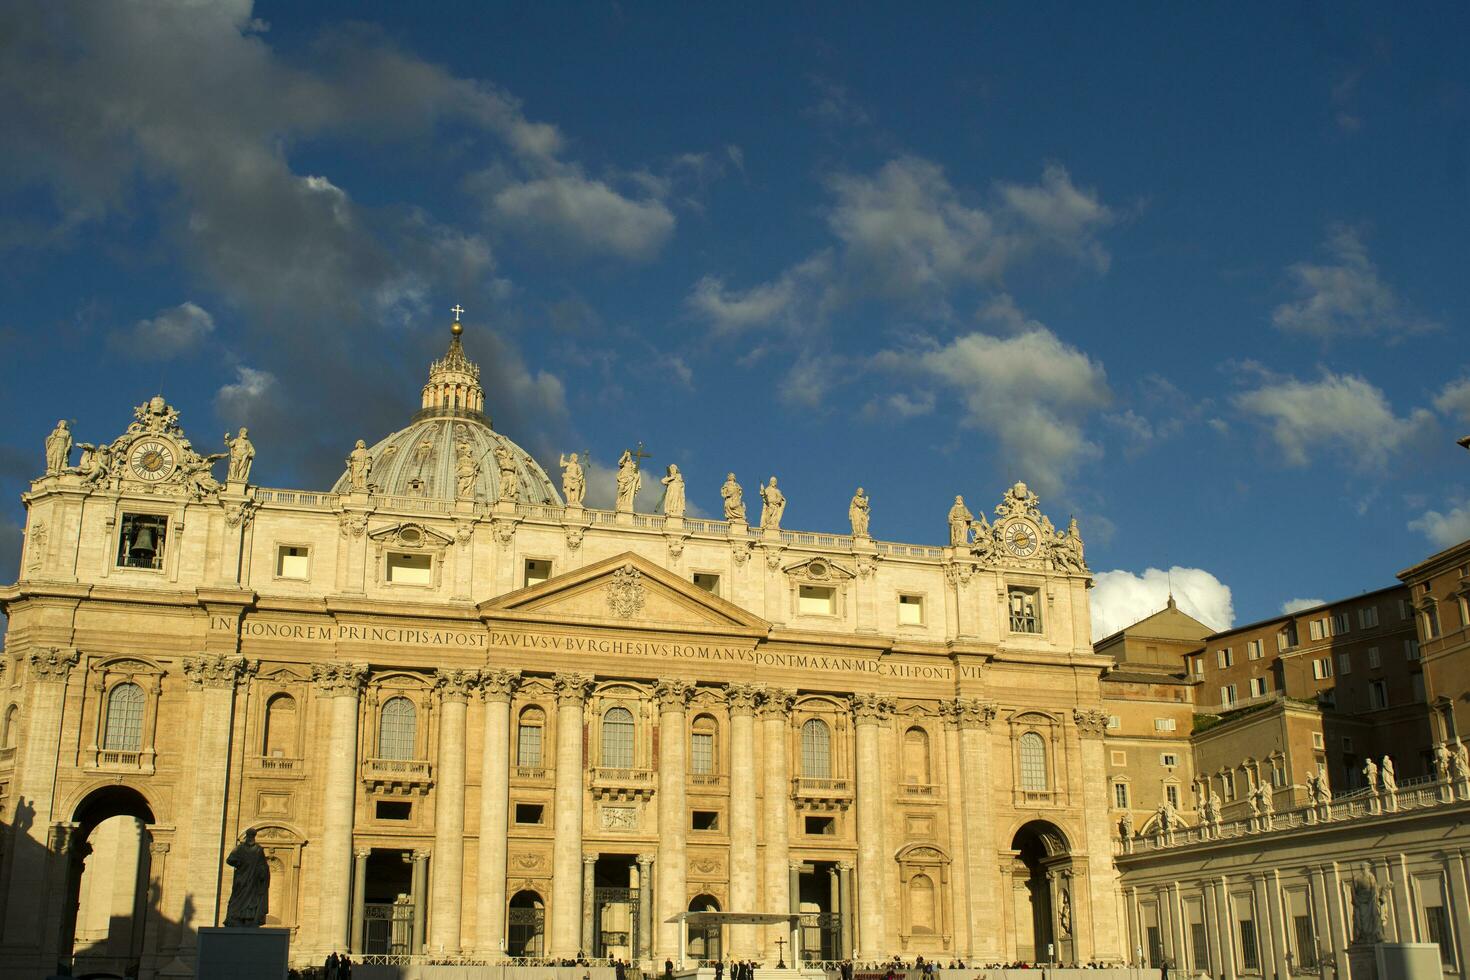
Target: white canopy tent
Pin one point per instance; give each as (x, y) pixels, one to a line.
(722, 919)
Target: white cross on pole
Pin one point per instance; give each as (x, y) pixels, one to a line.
(456, 309)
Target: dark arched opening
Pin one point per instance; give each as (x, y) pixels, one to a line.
(526, 925)
(1043, 875)
(704, 939)
(108, 898)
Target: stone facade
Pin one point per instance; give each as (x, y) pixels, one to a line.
(472, 721)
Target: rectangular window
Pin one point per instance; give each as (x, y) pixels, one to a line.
(528, 747)
(1344, 663)
(1437, 925)
(1201, 945)
(1318, 742)
(1168, 760)
(702, 752)
(1411, 649)
(910, 610)
(1249, 959)
(140, 541)
(1341, 626)
(1377, 695)
(1306, 941)
(293, 561)
(1120, 796)
(1403, 609)
(1368, 617)
(1431, 620)
(1347, 743)
(1417, 683)
(1322, 668)
(1287, 638)
(1227, 695)
(393, 810)
(820, 826)
(1165, 724)
(817, 600)
(538, 570)
(1223, 658)
(1317, 628)
(410, 569)
(1259, 687)
(1373, 662)
(1025, 611)
(1253, 649)
(708, 581)
(1197, 665)
(1155, 946)
(704, 820)
(1114, 722)
(530, 813)
(1171, 793)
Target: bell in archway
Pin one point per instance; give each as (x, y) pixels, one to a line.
(143, 548)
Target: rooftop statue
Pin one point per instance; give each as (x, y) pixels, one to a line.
(959, 523)
(466, 471)
(629, 481)
(505, 460)
(773, 505)
(573, 481)
(58, 448)
(242, 454)
(733, 497)
(858, 512)
(359, 468)
(673, 492)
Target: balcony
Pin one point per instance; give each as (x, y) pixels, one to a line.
(7, 757)
(531, 774)
(123, 760)
(708, 781)
(623, 784)
(919, 792)
(399, 775)
(813, 793)
(278, 765)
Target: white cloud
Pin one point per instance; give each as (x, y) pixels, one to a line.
(900, 405)
(1297, 605)
(792, 299)
(1345, 296)
(1454, 400)
(1032, 391)
(569, 210)
(1341, 413)
(1121, 598)
(253, 397)
(1444, 528)
(172, 332)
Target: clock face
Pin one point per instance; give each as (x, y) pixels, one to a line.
(1022, 539)
(152, 460)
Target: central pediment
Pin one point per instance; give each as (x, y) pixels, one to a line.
(625, 590)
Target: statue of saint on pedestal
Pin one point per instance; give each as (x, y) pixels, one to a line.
(466, 472)
(359, 468)
(773, 505)
(58, 448)
(629, 481)
(250, 891)
(734, 499)
(505, 461)
(959, 523)
(858, 512)
(673, 492)
(1369, 899)
(573, 481)
(242, 454)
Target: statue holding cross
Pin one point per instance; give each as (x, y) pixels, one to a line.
(629, 479)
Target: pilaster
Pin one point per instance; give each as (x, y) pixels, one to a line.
(673, 819)
(566, 885)
(496, 689)
(340, 685)
(742, 699)
(775, 712)
(870, 710)
(447, 895)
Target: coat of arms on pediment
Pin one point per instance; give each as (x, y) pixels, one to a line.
(625, 593)
(411, 536)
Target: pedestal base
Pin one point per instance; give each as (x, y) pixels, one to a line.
(1362, 962)
(243, 954)
(1409, 961)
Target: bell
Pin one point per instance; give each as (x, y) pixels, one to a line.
(143, 547)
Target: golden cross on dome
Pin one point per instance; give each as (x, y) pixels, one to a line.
(456, 309)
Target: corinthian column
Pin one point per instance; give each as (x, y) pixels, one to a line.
(775, 722)
(446, 894)
(742, 699)
(870, 710)
(496, 688)
(955, 804)
(36, 785)
(341, 686)
(673, 818)
(566, 861)
(1106, 937)
(982, 866)
(212, 681)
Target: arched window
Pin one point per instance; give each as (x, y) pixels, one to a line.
(397, 733)
(528, 738)
(280, 726)
(617, 739)
(702, 745)
(124, 719)
(921, 904)
(703, 941)
(10, 732)
(916, 755)
(816, 749)
(526, 924)
(1033, 761)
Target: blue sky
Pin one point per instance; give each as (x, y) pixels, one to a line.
(1196, 273)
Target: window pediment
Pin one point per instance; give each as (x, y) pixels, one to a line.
(410, 536)
(820, 571)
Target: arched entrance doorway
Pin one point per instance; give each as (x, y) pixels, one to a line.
(704, 940)
(526, 925)
(107, 901)
(1041, 878)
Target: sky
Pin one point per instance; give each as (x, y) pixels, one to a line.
(1195, 273)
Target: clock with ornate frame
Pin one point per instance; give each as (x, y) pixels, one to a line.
(153, 459)
(1022, 539)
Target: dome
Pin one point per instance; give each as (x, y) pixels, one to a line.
(420, 460)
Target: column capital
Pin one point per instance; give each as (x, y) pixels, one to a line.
(776, 702)
(338, 680)
(499, 684)
(158, 848)
(589, 859)
(796, 865)
(52, 664)
(742, 698)
(845, 866)
(1091, 722)
(218, 671)
(420, 854)
(456, 685)
(869, 709)
(673, 694)
(974, 713)
(362, 853)
(572, 688)
(646, 860)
